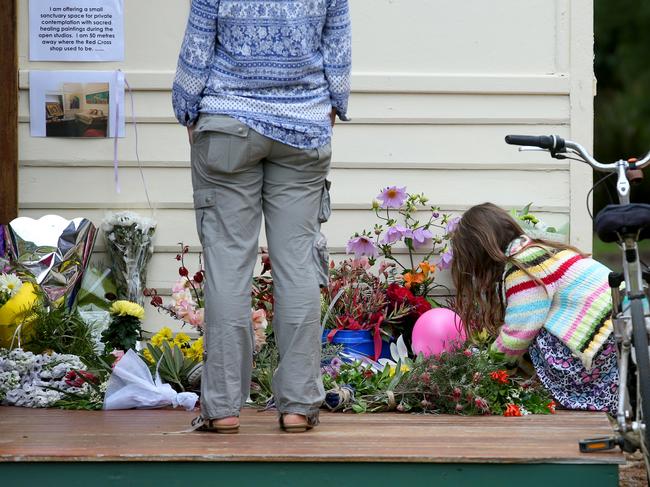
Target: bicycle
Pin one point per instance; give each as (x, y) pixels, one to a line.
(626, 223)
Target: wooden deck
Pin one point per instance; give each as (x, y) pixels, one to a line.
(446, 448)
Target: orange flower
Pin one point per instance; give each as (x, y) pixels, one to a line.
(500, 376)
(427, 268)
(551, 407)
(413, 278)
(512, 410)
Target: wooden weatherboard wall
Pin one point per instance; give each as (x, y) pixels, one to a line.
(8, 112)
(436, 87)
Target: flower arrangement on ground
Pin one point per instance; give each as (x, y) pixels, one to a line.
(17, 301)
(175, 357)
(187, 303)
(46, 380)
(356, 299)
(466, 380)
(129, 244)
(126, 326)
(400, 229)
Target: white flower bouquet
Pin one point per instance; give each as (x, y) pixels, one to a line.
(129, 243)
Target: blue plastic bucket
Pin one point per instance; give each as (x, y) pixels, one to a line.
(360, 341)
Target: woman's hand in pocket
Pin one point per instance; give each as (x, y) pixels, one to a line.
(190, 132)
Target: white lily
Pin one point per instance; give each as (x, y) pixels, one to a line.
(399, 354)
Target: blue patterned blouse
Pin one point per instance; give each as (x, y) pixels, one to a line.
(279, 66)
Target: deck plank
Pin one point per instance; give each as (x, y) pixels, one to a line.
(151, 435)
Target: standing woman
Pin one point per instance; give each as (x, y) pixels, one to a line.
(258, 85)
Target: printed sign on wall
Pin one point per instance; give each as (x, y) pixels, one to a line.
(76, 30)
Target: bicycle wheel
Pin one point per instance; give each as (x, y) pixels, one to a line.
(640, 340)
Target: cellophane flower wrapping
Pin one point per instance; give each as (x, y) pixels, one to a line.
(129, 244)
(36, 380)
(131, 385)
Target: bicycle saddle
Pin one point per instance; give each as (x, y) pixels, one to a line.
(615, 220)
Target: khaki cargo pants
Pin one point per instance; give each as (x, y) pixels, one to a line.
(238, 174)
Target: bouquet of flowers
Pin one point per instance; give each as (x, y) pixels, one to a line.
(41, 380)
(125, 328)
(400, 226)
(356, 299)
(187, 294)
(129, 243)
(175, 358)
(17, 300)
(466, 380)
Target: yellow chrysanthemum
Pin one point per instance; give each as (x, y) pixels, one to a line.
(195, 352)
(127, 308)
(166, 333)
(181, 339)
(157, 340)
(147, 355)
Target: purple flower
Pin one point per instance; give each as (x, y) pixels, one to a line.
(445, 260)
(422, 237)
(392, 197)
(452, 224)
(395, 233)
(361, 246)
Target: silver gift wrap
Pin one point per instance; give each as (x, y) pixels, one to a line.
(56, 251)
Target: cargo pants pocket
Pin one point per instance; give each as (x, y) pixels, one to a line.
(204, 208)
(321, 260)
(325, 210)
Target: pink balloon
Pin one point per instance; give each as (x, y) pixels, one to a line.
(436, 331)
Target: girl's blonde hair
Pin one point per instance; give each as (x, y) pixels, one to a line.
(479, 243)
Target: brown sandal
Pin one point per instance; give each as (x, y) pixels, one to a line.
(202, 424)
(298, 426)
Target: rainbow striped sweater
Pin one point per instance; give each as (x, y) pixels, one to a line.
(574, 304)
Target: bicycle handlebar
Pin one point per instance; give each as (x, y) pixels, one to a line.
(557, 144)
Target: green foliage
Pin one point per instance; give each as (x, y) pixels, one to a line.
(266, 361)
(62, 331)
(122, 333)
(172, 365)
(622, 106)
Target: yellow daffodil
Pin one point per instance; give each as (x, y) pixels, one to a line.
(127, 308)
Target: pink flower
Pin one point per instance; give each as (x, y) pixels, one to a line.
(392, 197)
(395, 233)
(445, 260)
(452, 224)
(361, 246)
(361, 263)
(422, 237)
(260, 323)
(195, 317)
(118, 354)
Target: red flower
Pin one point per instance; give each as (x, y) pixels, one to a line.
(198, 277)
(482, 404)
(368, 373)
(512, 410)
(87, 376)
(456, 394)
(398, 294)
(500, 376)
(551, 407)
(420, 304)
(156, 301)
(467, 352)
(183, 271)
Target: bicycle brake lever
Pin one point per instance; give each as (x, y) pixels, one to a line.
(532, 149)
